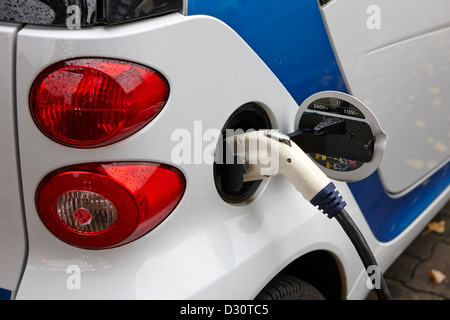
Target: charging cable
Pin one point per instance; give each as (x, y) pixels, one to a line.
(268, 153)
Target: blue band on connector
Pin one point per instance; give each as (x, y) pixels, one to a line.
(329, 200)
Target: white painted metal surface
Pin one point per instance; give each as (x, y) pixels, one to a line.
(12, 229)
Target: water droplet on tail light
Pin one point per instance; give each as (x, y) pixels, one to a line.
(96, 102)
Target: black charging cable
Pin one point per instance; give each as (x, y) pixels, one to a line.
(331, 203)
(364, 252)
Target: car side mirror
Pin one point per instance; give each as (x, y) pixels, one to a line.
(340, 134)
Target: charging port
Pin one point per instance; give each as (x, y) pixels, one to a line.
(247, 117)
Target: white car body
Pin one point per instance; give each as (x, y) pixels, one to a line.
(207, 248)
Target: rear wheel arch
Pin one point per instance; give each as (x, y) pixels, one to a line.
(320, 269)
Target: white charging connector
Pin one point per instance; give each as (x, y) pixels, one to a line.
(268, 153)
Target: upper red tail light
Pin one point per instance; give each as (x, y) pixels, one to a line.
(99, 205)
(95, 102)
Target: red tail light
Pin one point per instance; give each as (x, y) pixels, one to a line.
(104, 205)
(96, 102)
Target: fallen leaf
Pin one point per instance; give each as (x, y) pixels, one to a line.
(436, 226)
(436, 276)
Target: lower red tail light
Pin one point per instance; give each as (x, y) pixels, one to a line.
(93, 102)
(103, 205)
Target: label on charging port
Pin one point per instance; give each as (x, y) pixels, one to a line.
(337, 106)
(336, 164)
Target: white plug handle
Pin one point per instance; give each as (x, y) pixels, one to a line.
(267, 156)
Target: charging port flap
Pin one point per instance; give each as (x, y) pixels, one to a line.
(340, 134)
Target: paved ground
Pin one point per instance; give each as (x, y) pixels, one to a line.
(408, 278)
